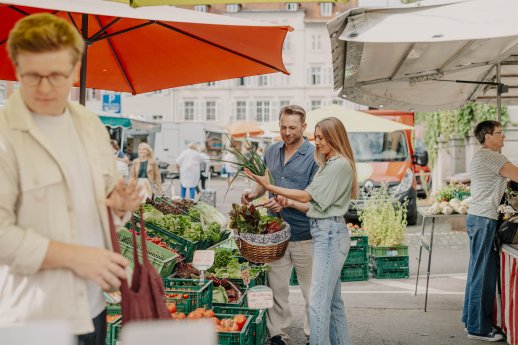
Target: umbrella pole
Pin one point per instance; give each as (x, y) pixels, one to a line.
(498, 94)
(82, 76)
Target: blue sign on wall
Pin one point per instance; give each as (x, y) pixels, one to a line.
(112, 103)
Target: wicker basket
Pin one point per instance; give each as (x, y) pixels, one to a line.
(263, 249)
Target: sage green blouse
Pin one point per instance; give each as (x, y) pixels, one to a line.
(331, 189)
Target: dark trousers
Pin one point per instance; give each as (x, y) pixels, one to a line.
(98, 336)
(482, 275)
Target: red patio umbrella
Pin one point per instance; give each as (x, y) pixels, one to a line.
(152, 48)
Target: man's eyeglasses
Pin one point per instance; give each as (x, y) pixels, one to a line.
(55, 79)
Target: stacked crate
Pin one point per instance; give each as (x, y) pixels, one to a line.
(356, 267)
(388, 262)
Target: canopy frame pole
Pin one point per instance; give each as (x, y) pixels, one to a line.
(82, 78)
(499, 90)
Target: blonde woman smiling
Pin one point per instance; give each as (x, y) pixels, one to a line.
(145, 170)
(325, 201)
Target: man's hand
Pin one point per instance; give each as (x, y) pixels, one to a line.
(102, 266)
(125, 198)
(273, 206)
(247, 197)
(283, 201)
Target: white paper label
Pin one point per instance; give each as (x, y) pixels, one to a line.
(203, 259)
(260, 297)
(354, 243)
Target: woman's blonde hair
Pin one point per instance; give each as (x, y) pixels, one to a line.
(44, 32)
(149, 150)
(336, 137)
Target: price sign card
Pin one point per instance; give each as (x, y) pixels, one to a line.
(203, 259)
(260, 297)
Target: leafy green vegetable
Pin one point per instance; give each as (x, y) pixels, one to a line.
(219, 295)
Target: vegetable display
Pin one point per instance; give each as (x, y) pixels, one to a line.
(450, 207)
(247, 219)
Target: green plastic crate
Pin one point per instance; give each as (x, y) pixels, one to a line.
(236, 338)
(357, 256)
(162, 259)
(388, 251)
(359, 241)
(351, 273)
(115, 332)
(111, 310)
(395, 273)
(198, 296)
(259, 331)
(259, 278)
(185, 247)
(389, 262)
(461, 195)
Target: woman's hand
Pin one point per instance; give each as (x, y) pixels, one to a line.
(262, 180)
(283, 201)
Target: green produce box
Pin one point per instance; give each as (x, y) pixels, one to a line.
(115, 332)
(236, 338)
(162, 259)
(389, 262)
(113, 315)
(185, 247)
(461, 195)
(357, 256)
(351, 273)
(256, 278)
(359, 241)
(189, 293)
(259, 332)
(394, 273)
(388, 251)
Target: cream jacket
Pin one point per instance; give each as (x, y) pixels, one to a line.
(36, 207)
(153, 174)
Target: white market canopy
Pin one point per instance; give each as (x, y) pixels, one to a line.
(353, 120)
(410, 57)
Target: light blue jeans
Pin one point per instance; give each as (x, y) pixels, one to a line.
(183, 192)
(482, 275)
(331, 243)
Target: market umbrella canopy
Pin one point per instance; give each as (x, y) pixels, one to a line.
(243, 129)
(353, 120)
(410, 57)
(153, 48)
(137, 3)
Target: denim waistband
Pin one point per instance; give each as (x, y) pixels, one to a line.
(335, 218)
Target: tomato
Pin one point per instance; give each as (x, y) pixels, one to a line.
(216, 321)
(171, 307)
(235, 327)
(194, 315)
(200, 310)
(208, 313)
(180, 316)
(240, 320)
(186, 296)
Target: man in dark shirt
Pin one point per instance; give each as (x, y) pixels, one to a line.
(292, 165)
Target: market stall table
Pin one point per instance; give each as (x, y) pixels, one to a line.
(423, 211)
(509, 279)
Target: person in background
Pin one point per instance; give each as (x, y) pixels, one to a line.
(57, 177)
(204, 168)
(189, 163)
(489, 173)
(325, 201)
(121, 159)
(292, 165)
(145, 171)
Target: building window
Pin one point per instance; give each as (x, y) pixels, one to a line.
(211, 83)
(283, 103)
(262, 111)
(326, 9)
(157, 117)
(201, 8)
(210, 110)
(240, 110)
(316, 42)
(240, 82)
(315, 77)
(316, 103)
(188, 107)
(263, 80)
(286, 46)
(292, 6)
(233, 7)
